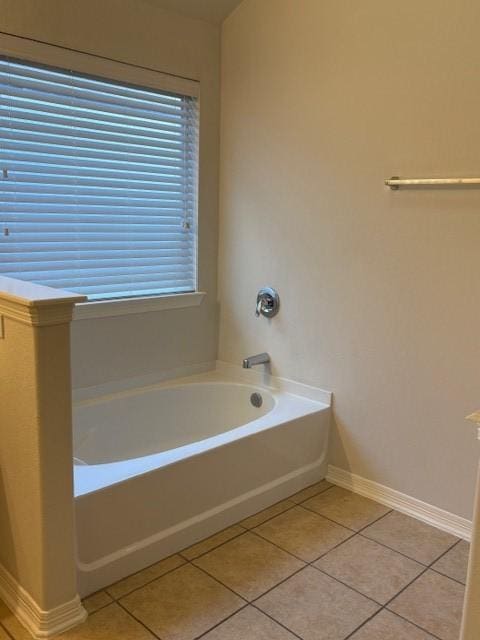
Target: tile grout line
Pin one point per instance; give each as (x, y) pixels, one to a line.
(294, 504)
(449, 577)
(307, 563)
(2, 626)
(248, 529)
(249, 602)
(343, 525)
(385, 606)
(124, 595)
(104, 606)
(370, 524)
(177, 553)
(352, 634)
(353, 535)
(252, 602)
(276, 621)
(236, 592)
(364, 623)
(422, 573)
(360, 532)
(204, 633)
(430, 633)
(353, 532)
(312, 564)
(382, 607)
(382, 544)
(220, 544)
(379, 604)
(186, 560)
(129, 613)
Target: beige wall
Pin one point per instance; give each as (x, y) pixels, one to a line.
(136, 32)
(321, 101)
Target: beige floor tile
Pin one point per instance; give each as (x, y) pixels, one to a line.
(182, 604)
(372, 569)
(96, 601)
(311, 491)
(210, 543)
(303, 533)
(316, 607)
(12, 625)
(434, 603)
(346, 508)
(110, 623)
(249, 565)
(249, 624)
(141, 578)
(4, 636)
(266, 514)
(388, 626)
(415, 539)
(454, 564)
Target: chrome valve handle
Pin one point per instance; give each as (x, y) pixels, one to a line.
(268, 303)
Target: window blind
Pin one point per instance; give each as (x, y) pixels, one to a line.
(98, 183)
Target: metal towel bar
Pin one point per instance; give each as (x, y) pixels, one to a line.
(395, 182)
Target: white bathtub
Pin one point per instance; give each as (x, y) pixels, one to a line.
(158, 468)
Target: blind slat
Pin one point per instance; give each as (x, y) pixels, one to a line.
(100, 186)
(83, 81)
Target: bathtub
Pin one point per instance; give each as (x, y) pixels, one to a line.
(160, 467)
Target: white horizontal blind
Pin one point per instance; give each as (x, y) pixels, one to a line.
(98, 183)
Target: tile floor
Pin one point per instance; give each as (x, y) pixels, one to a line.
(326, 564)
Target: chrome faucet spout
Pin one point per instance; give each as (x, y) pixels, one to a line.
(252, 361)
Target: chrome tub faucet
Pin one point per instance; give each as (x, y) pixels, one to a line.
(252, 361)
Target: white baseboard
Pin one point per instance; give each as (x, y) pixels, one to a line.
(41, 624)
(449, 522)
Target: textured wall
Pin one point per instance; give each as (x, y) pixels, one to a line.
(380, 290)
(139, 33)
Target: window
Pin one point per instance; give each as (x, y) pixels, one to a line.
(98, 181)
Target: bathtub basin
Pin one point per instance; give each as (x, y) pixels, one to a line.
(158, 468)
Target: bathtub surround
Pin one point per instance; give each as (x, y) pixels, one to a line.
(140, 33)
(37, 555)
(210, 430)
(321, 101)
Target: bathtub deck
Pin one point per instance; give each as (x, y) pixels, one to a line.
(324, 563)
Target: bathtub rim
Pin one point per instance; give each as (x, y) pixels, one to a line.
(153, 462)
(279, 388)
(253, 376)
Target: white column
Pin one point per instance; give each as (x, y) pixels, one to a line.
(471, 610)
(37, 554)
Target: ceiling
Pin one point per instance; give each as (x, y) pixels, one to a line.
(211, 10)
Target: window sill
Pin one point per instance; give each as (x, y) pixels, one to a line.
(110, 308)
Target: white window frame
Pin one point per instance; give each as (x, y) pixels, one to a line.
(56, 56)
